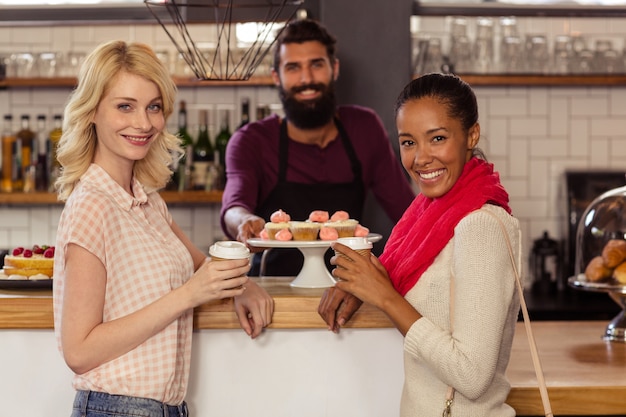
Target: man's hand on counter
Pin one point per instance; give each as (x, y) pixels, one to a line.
(254, 309)
(337, 307)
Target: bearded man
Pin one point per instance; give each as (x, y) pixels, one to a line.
(320, 156)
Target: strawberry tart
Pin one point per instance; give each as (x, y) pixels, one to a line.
(29, 264)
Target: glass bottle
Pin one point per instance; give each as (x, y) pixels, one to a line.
(215, 174)
(8, 139)
(245, 112)
(262, 111)
(25, 137)
(221, 141)
(53, 142)
(182, 174)
(40, 155)
(17, 171)
(202, 153)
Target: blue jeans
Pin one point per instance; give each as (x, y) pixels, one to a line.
(100, 404)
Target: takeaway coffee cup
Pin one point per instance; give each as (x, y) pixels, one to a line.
(228, 250)
(225, 250)
(361, 245)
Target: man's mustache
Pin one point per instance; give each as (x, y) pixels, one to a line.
(315, 87)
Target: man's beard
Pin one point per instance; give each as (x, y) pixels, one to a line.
(309, 114)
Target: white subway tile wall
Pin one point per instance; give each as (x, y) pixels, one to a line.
(531, 134)
(574, 128)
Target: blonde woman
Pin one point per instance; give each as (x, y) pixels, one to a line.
(126, 276)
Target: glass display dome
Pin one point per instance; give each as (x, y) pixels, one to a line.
(603, 220)
(601, 254)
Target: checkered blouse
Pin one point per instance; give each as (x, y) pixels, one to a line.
(144, 260)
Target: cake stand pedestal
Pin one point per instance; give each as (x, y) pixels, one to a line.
(314, 273)
(616, 329)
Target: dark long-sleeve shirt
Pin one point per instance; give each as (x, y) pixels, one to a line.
(252, 163)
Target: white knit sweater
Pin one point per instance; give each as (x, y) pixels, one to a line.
(472, 359)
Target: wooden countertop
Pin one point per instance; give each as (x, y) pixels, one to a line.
(295, 308)
(585, 375)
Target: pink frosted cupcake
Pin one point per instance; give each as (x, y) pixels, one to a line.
(345, 228)
(304, 230)
(273, 228)
(339, 216)
(280, 216)
(284, 235)
(279, 220)
(361, 231)
(328, 233)
(318, 216)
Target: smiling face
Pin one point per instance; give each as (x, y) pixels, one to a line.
(305, 79)
(127, 120)
(434, 147)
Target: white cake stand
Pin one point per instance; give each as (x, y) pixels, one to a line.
(314, 273)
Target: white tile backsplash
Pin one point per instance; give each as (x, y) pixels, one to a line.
(577, 129)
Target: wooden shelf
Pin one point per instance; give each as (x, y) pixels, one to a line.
(542, 80)
(254, 81)
(532, 9)
(70, 82)
(192, 197)
(474, 79)
(170, 197)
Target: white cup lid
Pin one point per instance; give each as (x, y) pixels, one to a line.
(229, 250)
(355, 242)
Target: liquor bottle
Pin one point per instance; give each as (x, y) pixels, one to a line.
(53, 142)
(221, 140)
(202, 153)
(17, 167)
(182, 174)
(215, 175)
(245, 112)
(25, 138)
(262, 111)
(8, 138)
(40, 155)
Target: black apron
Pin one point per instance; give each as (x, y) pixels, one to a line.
(298, 200)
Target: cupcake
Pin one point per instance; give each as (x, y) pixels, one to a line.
(344, 228)
(304, 230)
(273, 228)
(279, 216)
(320, 216)
(328, 233)
(339, 215)
(284, 235)
(361, 231)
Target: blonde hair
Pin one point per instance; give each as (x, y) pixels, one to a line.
(78, 143)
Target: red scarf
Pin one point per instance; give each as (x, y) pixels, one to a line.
(428, 224)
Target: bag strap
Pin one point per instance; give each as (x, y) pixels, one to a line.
(543, 390)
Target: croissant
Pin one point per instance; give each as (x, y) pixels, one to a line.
(620, 273)
(596, 270)
(614, 252)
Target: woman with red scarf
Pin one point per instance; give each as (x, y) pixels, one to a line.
(445, 277)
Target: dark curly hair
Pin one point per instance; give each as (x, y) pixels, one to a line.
(305, 30)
